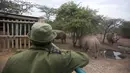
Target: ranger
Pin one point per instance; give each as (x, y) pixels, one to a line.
(43, 56)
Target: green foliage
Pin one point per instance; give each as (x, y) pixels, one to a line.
(16, 6)
(125, 29)
(74, 18)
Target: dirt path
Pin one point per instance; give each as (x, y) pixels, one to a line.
(108, 66)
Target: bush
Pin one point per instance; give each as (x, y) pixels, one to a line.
(125, 29)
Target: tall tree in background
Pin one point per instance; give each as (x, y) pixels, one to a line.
(15, 6)
(49, 12)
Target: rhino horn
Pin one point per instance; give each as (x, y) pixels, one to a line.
(117, 39)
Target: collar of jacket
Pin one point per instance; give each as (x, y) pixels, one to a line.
(49, 48)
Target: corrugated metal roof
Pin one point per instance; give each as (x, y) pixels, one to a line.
(16, 16)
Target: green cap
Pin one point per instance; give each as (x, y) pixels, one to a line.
(41, 32)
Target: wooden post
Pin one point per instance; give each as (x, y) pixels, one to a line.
(20, 35)
(12, 35)
(16, 31)
(4, 37)
(28, 32)
(8, 38)
(25, 35)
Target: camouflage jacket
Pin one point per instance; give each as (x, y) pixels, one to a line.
(42, 61)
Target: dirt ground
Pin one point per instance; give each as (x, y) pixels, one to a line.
(100, 65)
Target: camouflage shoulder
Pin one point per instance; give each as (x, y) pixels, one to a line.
(19, 51)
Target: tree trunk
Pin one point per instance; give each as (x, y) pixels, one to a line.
(74, 39)
(104, 36)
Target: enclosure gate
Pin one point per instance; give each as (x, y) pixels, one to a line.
(13, 34)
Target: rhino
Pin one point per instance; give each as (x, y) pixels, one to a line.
(91, 43)
(61, 35)
(112, 38)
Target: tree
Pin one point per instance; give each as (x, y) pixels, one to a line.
(109, 24)
(16, 6)
(76, 19)
(48, 12)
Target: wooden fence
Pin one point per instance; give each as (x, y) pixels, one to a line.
(13, 34)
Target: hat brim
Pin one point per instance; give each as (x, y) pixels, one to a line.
(50, 38)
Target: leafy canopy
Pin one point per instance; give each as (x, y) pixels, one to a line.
(72, 17)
